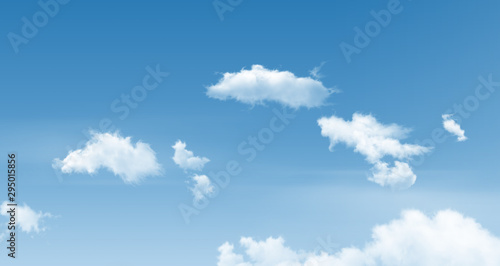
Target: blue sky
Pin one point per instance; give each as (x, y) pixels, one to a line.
(63, 81)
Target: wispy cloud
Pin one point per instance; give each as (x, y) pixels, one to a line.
(315, 71)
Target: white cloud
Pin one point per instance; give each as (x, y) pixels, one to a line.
(369, 137)
(27, 219)
(117, 154)
(258, 85)
(451, 126)
(415, 239)
(375, 141)
(202, 187)
(269, 252)
(185, 158)
(228, 258)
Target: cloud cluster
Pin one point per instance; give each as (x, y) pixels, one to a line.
(375, 141)
(453, 127)
(272, 251)
(414, 239)
(27, 219)
(185, 159)
(132, 162)
(259, 85)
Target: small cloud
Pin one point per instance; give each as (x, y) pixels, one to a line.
(259, 85)
(132, 162)
(453, 127)
(315, 71)
(227, 257)
(399, 176)
(375, 141)
(27, 219)
(202, 187)
(185, 158)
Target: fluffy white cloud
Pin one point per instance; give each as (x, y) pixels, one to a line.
(453, 127)
(117, 154)
(269, 252)
(415, 239)
(369, 137)
(258, 85)
(202, 187)
(185, 158)
(375, 141)
(27, 219)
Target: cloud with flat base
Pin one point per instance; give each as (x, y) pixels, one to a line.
(259, 85)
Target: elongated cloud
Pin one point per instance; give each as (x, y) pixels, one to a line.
(375, 141)
(453, 127)
(27, 219)
(448, 238)
(185, 159)
(202, 187)
(132, 162)
(315, 71)
(259, 85)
